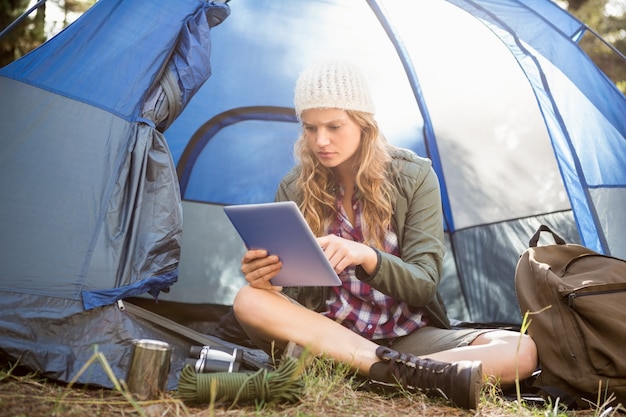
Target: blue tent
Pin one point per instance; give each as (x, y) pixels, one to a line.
(521, 126)
(105, 151)
(90, 201)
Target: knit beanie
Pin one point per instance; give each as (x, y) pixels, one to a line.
(332, 84)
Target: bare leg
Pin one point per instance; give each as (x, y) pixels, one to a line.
(498, 351)
(269, 315)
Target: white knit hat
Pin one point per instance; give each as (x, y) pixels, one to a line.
(332, 84)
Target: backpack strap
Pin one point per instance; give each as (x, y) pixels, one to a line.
(543, 228)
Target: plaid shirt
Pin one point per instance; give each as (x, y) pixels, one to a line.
(358, 306)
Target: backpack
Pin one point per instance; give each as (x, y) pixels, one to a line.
(581, 337)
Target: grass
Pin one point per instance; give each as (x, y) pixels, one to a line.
(329, 390)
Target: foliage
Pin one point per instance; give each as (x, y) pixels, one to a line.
(24, 37)
(612, 28)
(32, 31)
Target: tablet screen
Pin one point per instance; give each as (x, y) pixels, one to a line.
(281, 229)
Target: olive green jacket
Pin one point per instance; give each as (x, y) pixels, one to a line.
(414, 276)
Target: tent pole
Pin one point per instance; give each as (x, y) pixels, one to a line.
(21, 18)
(604, 41)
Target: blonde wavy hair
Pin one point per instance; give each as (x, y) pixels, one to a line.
(373, 187)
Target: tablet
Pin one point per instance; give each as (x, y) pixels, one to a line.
(280, 229)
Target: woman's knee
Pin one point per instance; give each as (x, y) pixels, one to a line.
(528, 357)
(251, 304)
(520, 348)
(243, 301)
(524, 352)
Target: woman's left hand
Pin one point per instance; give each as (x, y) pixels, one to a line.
(343, 252)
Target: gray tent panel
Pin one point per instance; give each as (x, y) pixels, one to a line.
(51, 338)
(210, 261)
(89, 196)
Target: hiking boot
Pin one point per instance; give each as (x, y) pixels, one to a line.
(459, 382)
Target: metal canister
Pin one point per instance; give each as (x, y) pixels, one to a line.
(149, 368)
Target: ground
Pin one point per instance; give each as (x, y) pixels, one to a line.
(25, 394)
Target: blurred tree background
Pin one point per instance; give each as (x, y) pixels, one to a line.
(48, 19)
(605, 17)
(608, 19)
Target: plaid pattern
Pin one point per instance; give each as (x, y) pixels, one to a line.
(358, 306)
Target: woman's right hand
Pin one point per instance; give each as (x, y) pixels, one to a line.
(258, 268)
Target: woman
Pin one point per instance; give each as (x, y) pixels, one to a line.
(377, 212)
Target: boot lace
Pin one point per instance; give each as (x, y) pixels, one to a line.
(412, 372)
